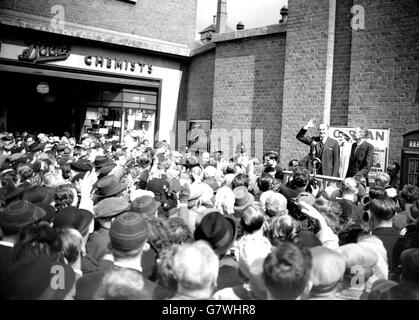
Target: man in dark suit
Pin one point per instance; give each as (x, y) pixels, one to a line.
(362, 156)
(322, 147)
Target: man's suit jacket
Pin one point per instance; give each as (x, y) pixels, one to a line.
(327, 153)
(361, 160)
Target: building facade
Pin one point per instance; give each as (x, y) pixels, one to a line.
(348, 63)
(104, 67)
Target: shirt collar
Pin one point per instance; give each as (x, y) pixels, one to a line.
(7, 243)
(123, 265)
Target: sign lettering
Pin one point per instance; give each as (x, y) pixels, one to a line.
(110, 63)
(42, 53)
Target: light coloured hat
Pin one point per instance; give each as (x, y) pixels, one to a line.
(357, 255)
(252, 251)
(328, 268)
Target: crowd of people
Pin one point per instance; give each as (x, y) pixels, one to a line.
(94, 220)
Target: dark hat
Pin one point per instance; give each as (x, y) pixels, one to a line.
(15, 193)
(73, 217)
(102, 161)
(38, 194)
(144, 162)
(146, 205)
(81, 165)
(78, 176)
(220, 231)
(32, 278)
(106, 169)
(129, 231)
(109, 186)
(243, 198)
(50, 212)
(17, 149)
(35, 147)
(111, 207)
(158, 186)
(20, 214)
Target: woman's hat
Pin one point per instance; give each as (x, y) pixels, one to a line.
(73, 217)
(20, 214)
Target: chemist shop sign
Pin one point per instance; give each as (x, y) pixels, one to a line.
(107, 63)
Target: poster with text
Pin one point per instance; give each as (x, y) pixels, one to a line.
(379, 138)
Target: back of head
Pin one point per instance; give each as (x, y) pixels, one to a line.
(239, 180)
(286, 271)
(382, 180)
(265, 182)
(410, 193)
(72, 244)
(382, 208)
(276, 205)
(349, 186)
(282, 227)
(122, 284)
(38, 239)
(376, 192)
(252, 218)
(300, 177)
(195, 266)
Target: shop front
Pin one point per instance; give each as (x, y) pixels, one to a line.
(57, 85)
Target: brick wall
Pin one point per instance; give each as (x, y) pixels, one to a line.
(248, 84)
(201, 86)
(159, 19)
(341, 64)
(384, 87)
(305, 72)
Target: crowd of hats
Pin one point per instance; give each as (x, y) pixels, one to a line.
(138, 208)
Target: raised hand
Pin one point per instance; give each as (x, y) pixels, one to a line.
(88, 181)
(310, 124)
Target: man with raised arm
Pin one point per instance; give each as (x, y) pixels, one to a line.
(322, 147)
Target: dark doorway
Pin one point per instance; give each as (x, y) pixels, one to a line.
(41, 104)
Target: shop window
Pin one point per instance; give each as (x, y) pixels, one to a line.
(117, 114)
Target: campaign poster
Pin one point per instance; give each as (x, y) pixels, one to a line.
(379, 138)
